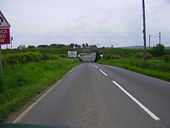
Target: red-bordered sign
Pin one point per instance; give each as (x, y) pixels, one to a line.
(5, 36)
(4, 30)
(3, 21)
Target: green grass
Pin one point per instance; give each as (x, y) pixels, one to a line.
(120, 51)
(85, 53)
(154, 67)
(23, 81)
(126, 53)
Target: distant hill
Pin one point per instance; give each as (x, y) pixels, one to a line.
(133, 47)
(139, 47)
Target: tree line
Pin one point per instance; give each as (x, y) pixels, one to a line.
(72, 45)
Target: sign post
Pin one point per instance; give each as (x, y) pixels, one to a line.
(1, 69)
(4, 35)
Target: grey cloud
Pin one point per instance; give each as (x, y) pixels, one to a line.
(104, 21)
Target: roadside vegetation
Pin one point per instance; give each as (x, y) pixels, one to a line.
(27, 73)
(157, 64)
(84, 53)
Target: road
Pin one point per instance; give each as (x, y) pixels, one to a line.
(88, 58)
(99, 96)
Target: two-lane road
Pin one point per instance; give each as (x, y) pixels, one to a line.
(98, 96)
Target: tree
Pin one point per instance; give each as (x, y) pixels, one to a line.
(92, 46)
(87, 46)
(83, 46)
(31, 46)
(71, 45)
(158, 50)
(42, 46)
(57, 45)
(53, 45)
(77, 46)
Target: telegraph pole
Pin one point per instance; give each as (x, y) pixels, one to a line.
(149, 40)
(159, 37)
(144, 29)
(11, 41)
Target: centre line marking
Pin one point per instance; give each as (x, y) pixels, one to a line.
(103, 72)
(95, 66)
(137, 102)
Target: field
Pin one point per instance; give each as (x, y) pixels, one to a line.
(27, 73)
(132, 59)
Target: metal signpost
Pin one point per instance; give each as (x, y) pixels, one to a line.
(4, 34)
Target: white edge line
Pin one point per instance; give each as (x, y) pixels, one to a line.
(103, 72)
(37, 101)
(137, 102)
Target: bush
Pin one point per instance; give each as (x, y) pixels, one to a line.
(115, 57)
(158, 50)
(22, 58)
(141, 55)
(62, 55)
(1, 81)
(110, 56)
(167, 58)
(122, 52)
(47, 56)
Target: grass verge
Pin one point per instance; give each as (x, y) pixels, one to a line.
(23, 81)
(154, 68)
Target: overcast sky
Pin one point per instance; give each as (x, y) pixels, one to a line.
(101, 22)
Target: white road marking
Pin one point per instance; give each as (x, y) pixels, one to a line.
(137, 102)
(30, 107)
(103, 72)
(37, 101)
(95, 66)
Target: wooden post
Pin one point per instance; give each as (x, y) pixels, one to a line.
(144, 30)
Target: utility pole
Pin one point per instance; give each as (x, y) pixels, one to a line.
(144, 29)
(149, 40)
(159, 37)
(11, 41)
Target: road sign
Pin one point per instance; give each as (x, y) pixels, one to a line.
(72, 54)
(4, 36)
(4, 30)
(3, 22)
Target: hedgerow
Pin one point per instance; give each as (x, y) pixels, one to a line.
(22, 58)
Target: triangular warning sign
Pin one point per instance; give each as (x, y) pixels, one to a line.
(3, 22)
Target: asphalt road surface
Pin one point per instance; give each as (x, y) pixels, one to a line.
(88, 58)
(98, 96)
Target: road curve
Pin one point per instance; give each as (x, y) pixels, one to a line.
(92, 96)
